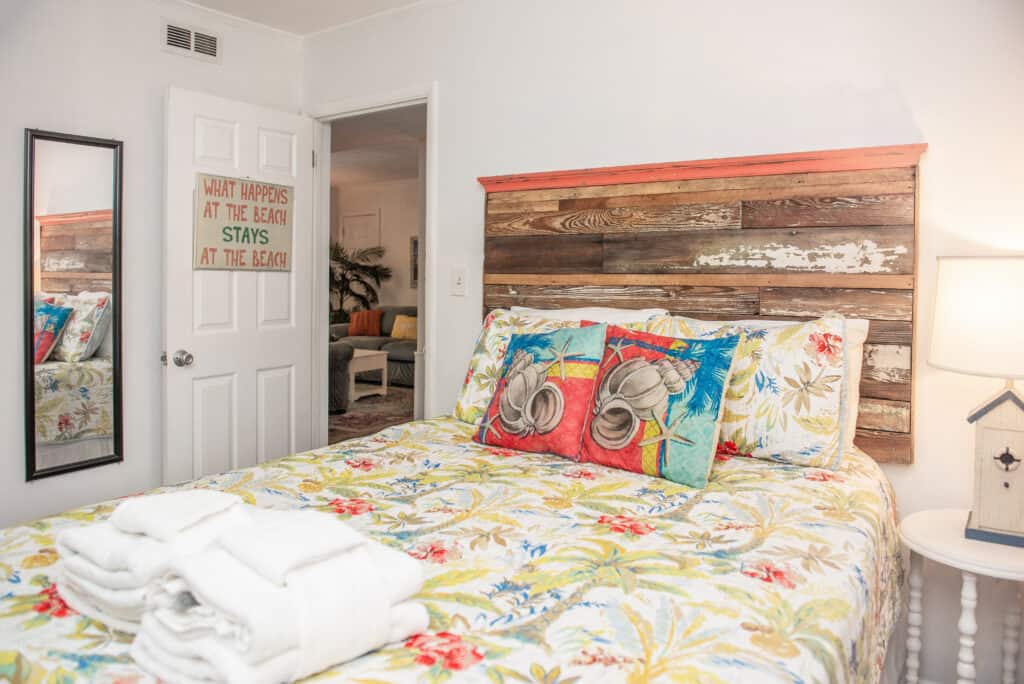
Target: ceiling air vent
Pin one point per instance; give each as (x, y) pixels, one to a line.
(183, 40)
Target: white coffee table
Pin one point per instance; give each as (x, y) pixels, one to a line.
(367, 360)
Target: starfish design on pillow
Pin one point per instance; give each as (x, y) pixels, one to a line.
(668, 432)
(561, 357)
(487, 426)
(616, 350)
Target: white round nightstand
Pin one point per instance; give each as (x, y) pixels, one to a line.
(939, 536)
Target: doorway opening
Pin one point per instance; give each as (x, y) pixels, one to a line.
(377, 221)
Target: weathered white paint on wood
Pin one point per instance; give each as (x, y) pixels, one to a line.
(887, 362)
(865, 256)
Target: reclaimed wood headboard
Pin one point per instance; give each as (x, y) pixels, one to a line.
(76, 251)
(775, 237)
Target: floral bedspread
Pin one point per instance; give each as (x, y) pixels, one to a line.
(74, 400)
(544, 570)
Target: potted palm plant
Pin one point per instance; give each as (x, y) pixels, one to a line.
(355, 276)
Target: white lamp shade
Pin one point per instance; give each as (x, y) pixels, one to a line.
(978, 327)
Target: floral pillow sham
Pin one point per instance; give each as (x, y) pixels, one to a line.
(486, 364)
(657, 404)
(49, 322)
(787, 397)
(87, 326)
(543, 397)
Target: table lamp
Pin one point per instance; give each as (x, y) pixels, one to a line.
(978, 329)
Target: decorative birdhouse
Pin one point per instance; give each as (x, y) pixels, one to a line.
(998, 514)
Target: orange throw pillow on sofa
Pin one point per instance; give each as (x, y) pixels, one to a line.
(365, 323)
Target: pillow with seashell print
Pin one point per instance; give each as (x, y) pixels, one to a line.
(787, 399)
(500, 324)
(658, 403)
(544, 392)
(487, 361)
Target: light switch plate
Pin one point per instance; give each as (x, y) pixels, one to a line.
(457, 281)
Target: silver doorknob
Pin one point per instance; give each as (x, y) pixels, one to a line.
(183, 358)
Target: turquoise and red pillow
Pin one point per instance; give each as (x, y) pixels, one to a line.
(544, 392)
(657, 404)
(48, 324)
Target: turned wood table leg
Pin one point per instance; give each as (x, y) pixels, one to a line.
(1011, 638)
(914, 620)
(968, 626)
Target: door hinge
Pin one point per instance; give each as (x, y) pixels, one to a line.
(314, 158)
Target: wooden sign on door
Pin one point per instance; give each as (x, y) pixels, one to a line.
(242, 225)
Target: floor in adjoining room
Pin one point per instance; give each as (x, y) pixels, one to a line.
(371, 414)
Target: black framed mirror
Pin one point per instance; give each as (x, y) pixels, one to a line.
(72, 327)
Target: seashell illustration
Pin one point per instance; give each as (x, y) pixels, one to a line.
(544, 410)
(676, 373)
(639, 383)
(529, 403)
(615, 424)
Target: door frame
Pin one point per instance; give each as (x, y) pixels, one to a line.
(323, 115)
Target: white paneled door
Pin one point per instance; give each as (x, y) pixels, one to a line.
(238, 343)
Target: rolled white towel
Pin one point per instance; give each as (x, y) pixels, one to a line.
(130, 559)
(122, 560)
(164, 516)
(297, 538)
(214, 601)
(170, 658)
(213, 594)
(106, 569)
(400, 573)
(87, 605)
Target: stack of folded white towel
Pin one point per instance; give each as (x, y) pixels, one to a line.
(238, 594)
(105, 567)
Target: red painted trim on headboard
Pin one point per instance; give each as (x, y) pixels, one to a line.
(75, 217)
(852, 159)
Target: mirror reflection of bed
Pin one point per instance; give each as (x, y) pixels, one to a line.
(73, 254)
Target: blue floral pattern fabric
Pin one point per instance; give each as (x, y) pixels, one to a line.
(540, 569)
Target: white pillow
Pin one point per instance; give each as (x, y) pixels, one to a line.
(598, 314)
(856, 335)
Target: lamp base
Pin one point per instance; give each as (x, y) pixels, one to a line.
(979, 534)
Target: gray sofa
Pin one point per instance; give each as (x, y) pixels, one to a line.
(401, 355)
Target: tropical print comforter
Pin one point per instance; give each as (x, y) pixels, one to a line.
(74, 400)
(544, 570)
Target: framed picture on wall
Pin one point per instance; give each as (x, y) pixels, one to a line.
(359, 231)
(414, 262)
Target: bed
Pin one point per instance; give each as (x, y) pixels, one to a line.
(74, 410)
(542, 569)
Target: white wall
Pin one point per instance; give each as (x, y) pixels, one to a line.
(536, 85)
(72, 178)
(399, 204)
(95, 67)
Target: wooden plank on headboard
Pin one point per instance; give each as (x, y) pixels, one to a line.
(789, 236)
(76, 251)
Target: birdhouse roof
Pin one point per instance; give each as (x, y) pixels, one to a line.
(1008, 395)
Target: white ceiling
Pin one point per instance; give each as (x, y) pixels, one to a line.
(378, 147)
(303, 16)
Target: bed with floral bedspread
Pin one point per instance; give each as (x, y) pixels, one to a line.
(74, 400)
(541, 569)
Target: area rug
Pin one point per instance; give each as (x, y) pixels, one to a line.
(371, 414)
